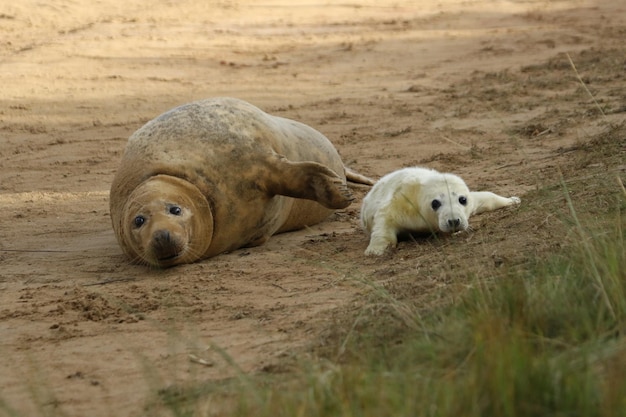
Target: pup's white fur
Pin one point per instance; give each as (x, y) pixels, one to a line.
(421, 200)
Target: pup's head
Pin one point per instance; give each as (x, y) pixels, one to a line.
(447, 203)
(166, 221)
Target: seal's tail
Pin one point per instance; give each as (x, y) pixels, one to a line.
(355, 177)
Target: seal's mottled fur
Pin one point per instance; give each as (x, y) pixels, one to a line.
(220, 174)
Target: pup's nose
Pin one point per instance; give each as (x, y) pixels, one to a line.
(454, 223)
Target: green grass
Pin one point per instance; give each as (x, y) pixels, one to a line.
(534, 344)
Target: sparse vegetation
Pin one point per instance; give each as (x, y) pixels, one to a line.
(544, 340)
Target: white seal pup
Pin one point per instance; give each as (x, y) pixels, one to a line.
(421, 200)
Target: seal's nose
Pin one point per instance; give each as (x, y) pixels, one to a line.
(163, 245)
(454, 223)
(161, 237)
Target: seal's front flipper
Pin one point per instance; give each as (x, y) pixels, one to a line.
(308, 180)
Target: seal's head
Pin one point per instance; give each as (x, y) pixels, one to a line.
(447, 203)
(166, 221)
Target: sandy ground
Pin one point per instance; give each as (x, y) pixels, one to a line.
(482, 88)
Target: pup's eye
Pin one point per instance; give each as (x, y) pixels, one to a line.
(176, 211)
(435, 204)
(463, 200)
(139, 221)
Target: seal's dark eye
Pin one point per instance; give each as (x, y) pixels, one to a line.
(463, 200)
(139, 221)
(176, 211)
(435, 204)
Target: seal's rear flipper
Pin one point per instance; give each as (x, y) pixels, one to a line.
(487, 201)
(355, 177)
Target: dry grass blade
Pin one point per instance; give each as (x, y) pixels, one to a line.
(584, 85)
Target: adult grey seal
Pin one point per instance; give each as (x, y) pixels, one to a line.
(220, 174)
